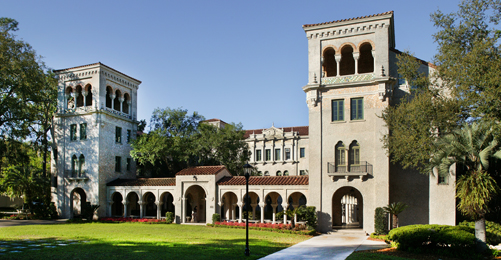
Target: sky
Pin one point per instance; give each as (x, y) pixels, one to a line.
(238, 61)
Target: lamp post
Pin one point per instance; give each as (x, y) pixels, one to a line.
(247, 172)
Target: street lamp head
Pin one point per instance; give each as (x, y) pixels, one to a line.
(247, 170)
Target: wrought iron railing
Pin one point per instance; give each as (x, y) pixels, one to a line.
(363, 167)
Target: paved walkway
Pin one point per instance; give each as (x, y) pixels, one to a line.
(11, 223)
(336, 246)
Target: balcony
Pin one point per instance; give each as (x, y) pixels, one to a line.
(74, 176)
(348, 78)
(362, 169)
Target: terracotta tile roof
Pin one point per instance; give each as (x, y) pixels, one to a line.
(215, 120)
(349, 19)
(420, 60)
(94, 64)
(202, 170)
(265, 180)
(143, 182)
(302, 130)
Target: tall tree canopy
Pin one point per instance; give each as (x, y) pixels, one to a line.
(28, 91)
(178, 140)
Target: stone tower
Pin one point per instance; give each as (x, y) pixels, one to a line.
(95, 120)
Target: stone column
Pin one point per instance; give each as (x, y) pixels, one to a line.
(232, 213)
(261, 205)
(374, 58)
(183, 210)
(274, 206)
(254, 211)
(338, 61)
(126, 203)
(285, 215)
(121, 100)
(113, 96)
(356, 55)
(110, 207)
(141, 209)
(159, 209)
(240, 204)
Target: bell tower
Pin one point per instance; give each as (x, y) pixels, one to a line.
(93, 126)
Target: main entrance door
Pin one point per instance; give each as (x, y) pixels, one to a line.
(347, 208)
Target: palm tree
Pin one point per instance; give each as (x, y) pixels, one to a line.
(394, 209)
(473, 145)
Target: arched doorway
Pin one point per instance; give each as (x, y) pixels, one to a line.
(272, 205)
(133, 206)
(77, 202)
(195, 204)
(117, 208)
(167, 203)
(229, 208)
(347, 208)
(150, 209)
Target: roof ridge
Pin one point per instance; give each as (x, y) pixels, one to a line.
(348, 19)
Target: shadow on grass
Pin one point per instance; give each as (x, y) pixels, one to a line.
(96, 249)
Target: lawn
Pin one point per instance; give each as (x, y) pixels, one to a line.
(137, 241)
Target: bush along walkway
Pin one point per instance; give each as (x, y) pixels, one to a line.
(280, 228)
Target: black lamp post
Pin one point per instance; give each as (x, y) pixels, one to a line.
(247, 172)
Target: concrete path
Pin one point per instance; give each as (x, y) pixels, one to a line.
(336, 246)
(11, 222)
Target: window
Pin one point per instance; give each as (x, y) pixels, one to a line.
(347, 63)
(443, 179)
(302, 152)
(279, 173)
(83, 131)
(259, 173)
(74, 166)
(129, 132)
(128, 164)
(340, 154)
(266, 173)
(329, 63)
(118, 163)
(277, 154)
(118, 134)
(357, 108)
(267, 154)
(354, 153)
(286, 173)
(73, 132)
(287, 153)
(338, 110)
(81, 165)
(366, 60)
(302, 172)
(258, 155)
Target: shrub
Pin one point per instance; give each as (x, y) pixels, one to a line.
(309, 214)
(216, 218)
(169, 217)
(380, 222)
(89, 210)
(438, 239)
(492, 229)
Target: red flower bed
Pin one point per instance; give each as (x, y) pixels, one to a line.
(142, 220)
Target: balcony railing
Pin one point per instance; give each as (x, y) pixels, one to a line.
(348, 78)
(356, 170)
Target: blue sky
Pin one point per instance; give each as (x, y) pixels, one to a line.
(239, 61)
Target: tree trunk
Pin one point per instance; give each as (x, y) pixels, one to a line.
(395, 221)
(480, 234)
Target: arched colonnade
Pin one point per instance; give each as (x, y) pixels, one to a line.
(142, 204)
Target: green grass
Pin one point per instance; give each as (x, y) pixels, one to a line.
(138, 241)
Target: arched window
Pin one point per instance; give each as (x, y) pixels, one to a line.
(116, 102)
(81, 164)
(279, 173)
(88, 98)
(259, 173)
(340, 157)
(266, 173)
(125, 104)
(109, 98)
(70, 97)
(354, 158)
(347, 64)
(329, 63)
(286, 173)
(80, 97)
(366, 60)
(74, 166)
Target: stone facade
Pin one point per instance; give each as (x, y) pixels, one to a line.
(337, 163)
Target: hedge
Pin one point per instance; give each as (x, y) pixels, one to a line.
(442, 239)
(286, 231)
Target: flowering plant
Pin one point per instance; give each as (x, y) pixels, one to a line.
(141, 220)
